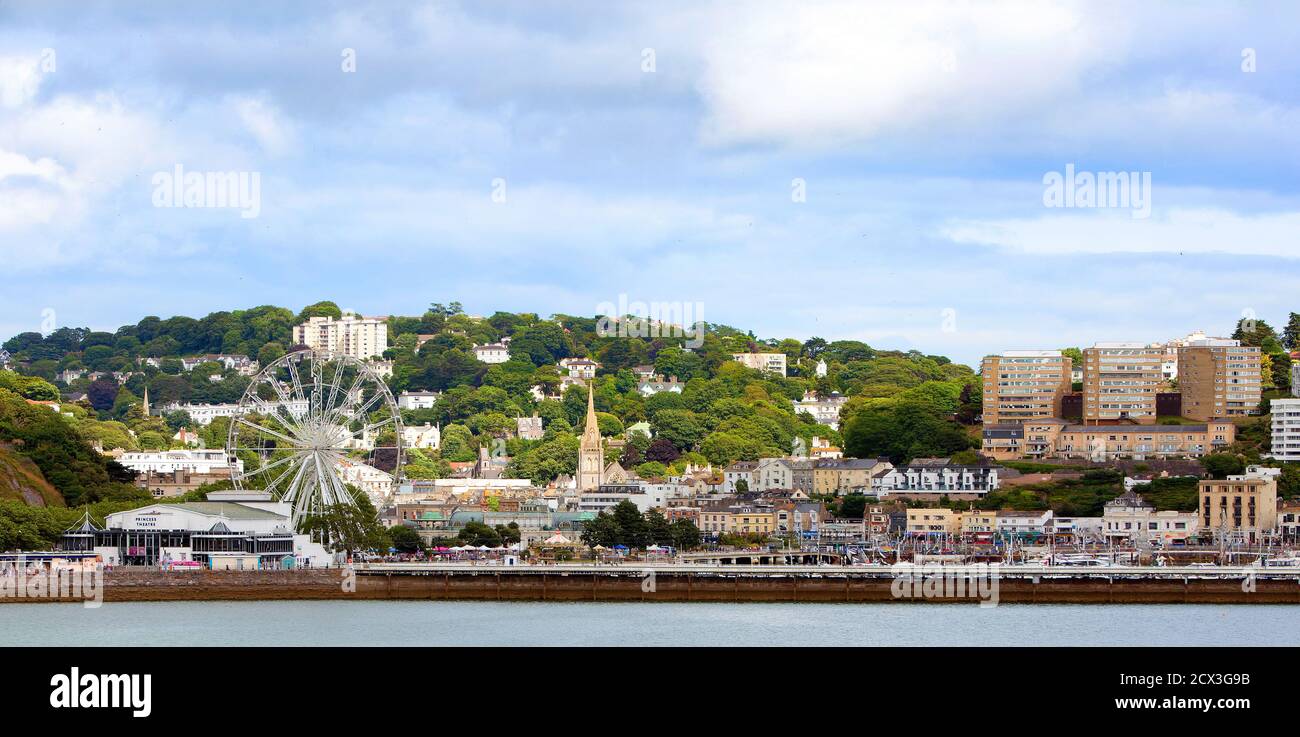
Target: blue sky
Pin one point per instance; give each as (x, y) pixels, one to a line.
(922, 132)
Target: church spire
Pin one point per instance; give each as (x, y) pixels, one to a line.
(146, 401)
(591, 457)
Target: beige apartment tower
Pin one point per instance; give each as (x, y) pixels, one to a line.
(1219, 377)
(1120, 382)
(1024, 385)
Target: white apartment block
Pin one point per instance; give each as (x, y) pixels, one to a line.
(351, 335)
(770, 362)
(1286, 429)
(171, 461)
(204, 414)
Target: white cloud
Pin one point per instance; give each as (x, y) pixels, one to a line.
(20, 79)
(819, 74)
(268, 126)
(1186, 230)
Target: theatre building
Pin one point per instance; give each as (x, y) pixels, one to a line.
(232, 530)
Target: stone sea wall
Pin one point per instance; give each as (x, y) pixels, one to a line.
(152, 585)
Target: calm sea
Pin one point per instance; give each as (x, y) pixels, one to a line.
(549, 623)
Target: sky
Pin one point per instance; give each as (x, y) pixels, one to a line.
(885, 172)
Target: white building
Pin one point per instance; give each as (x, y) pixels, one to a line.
(425, 437)
(605, 497)
(1286, 429)
(417, 400)
(377, 484)
(170, 461)
(826, 411)
(772, 473)
(935, 476)
(1130, 517)
(770, 362)
(204, 414)
(352, 335)
(1011, 522)
(1082, 527)
(579, 368)
(737, 472)
(492, 353)
(231, 530)
(821, 368)
(652, 385)
(240, 363)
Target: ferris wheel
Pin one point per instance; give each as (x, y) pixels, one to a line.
(309, 424)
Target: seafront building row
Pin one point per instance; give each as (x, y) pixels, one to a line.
(248, 530)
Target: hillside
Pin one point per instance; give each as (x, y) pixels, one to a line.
(22, 481)
(902, 404)
(66, 461)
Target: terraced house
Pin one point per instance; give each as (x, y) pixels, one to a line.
(841, 476)
(1054, 438)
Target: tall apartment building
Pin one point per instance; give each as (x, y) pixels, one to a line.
(1120, 382)
(1024, 385)
(1219, 377)
(352, 335)
(1286, 429)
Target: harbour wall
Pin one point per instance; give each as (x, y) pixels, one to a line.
(122, 585)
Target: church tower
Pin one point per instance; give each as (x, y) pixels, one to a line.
(591, 457)
(146, 401)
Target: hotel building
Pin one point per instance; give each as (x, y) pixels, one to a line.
(1286, 429)
(1120, 382)
(1243, 506)
(359, 337)
(1219, 378)
(1024, 385)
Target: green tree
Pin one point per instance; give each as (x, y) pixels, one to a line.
(405, 539)
(1222, 465)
